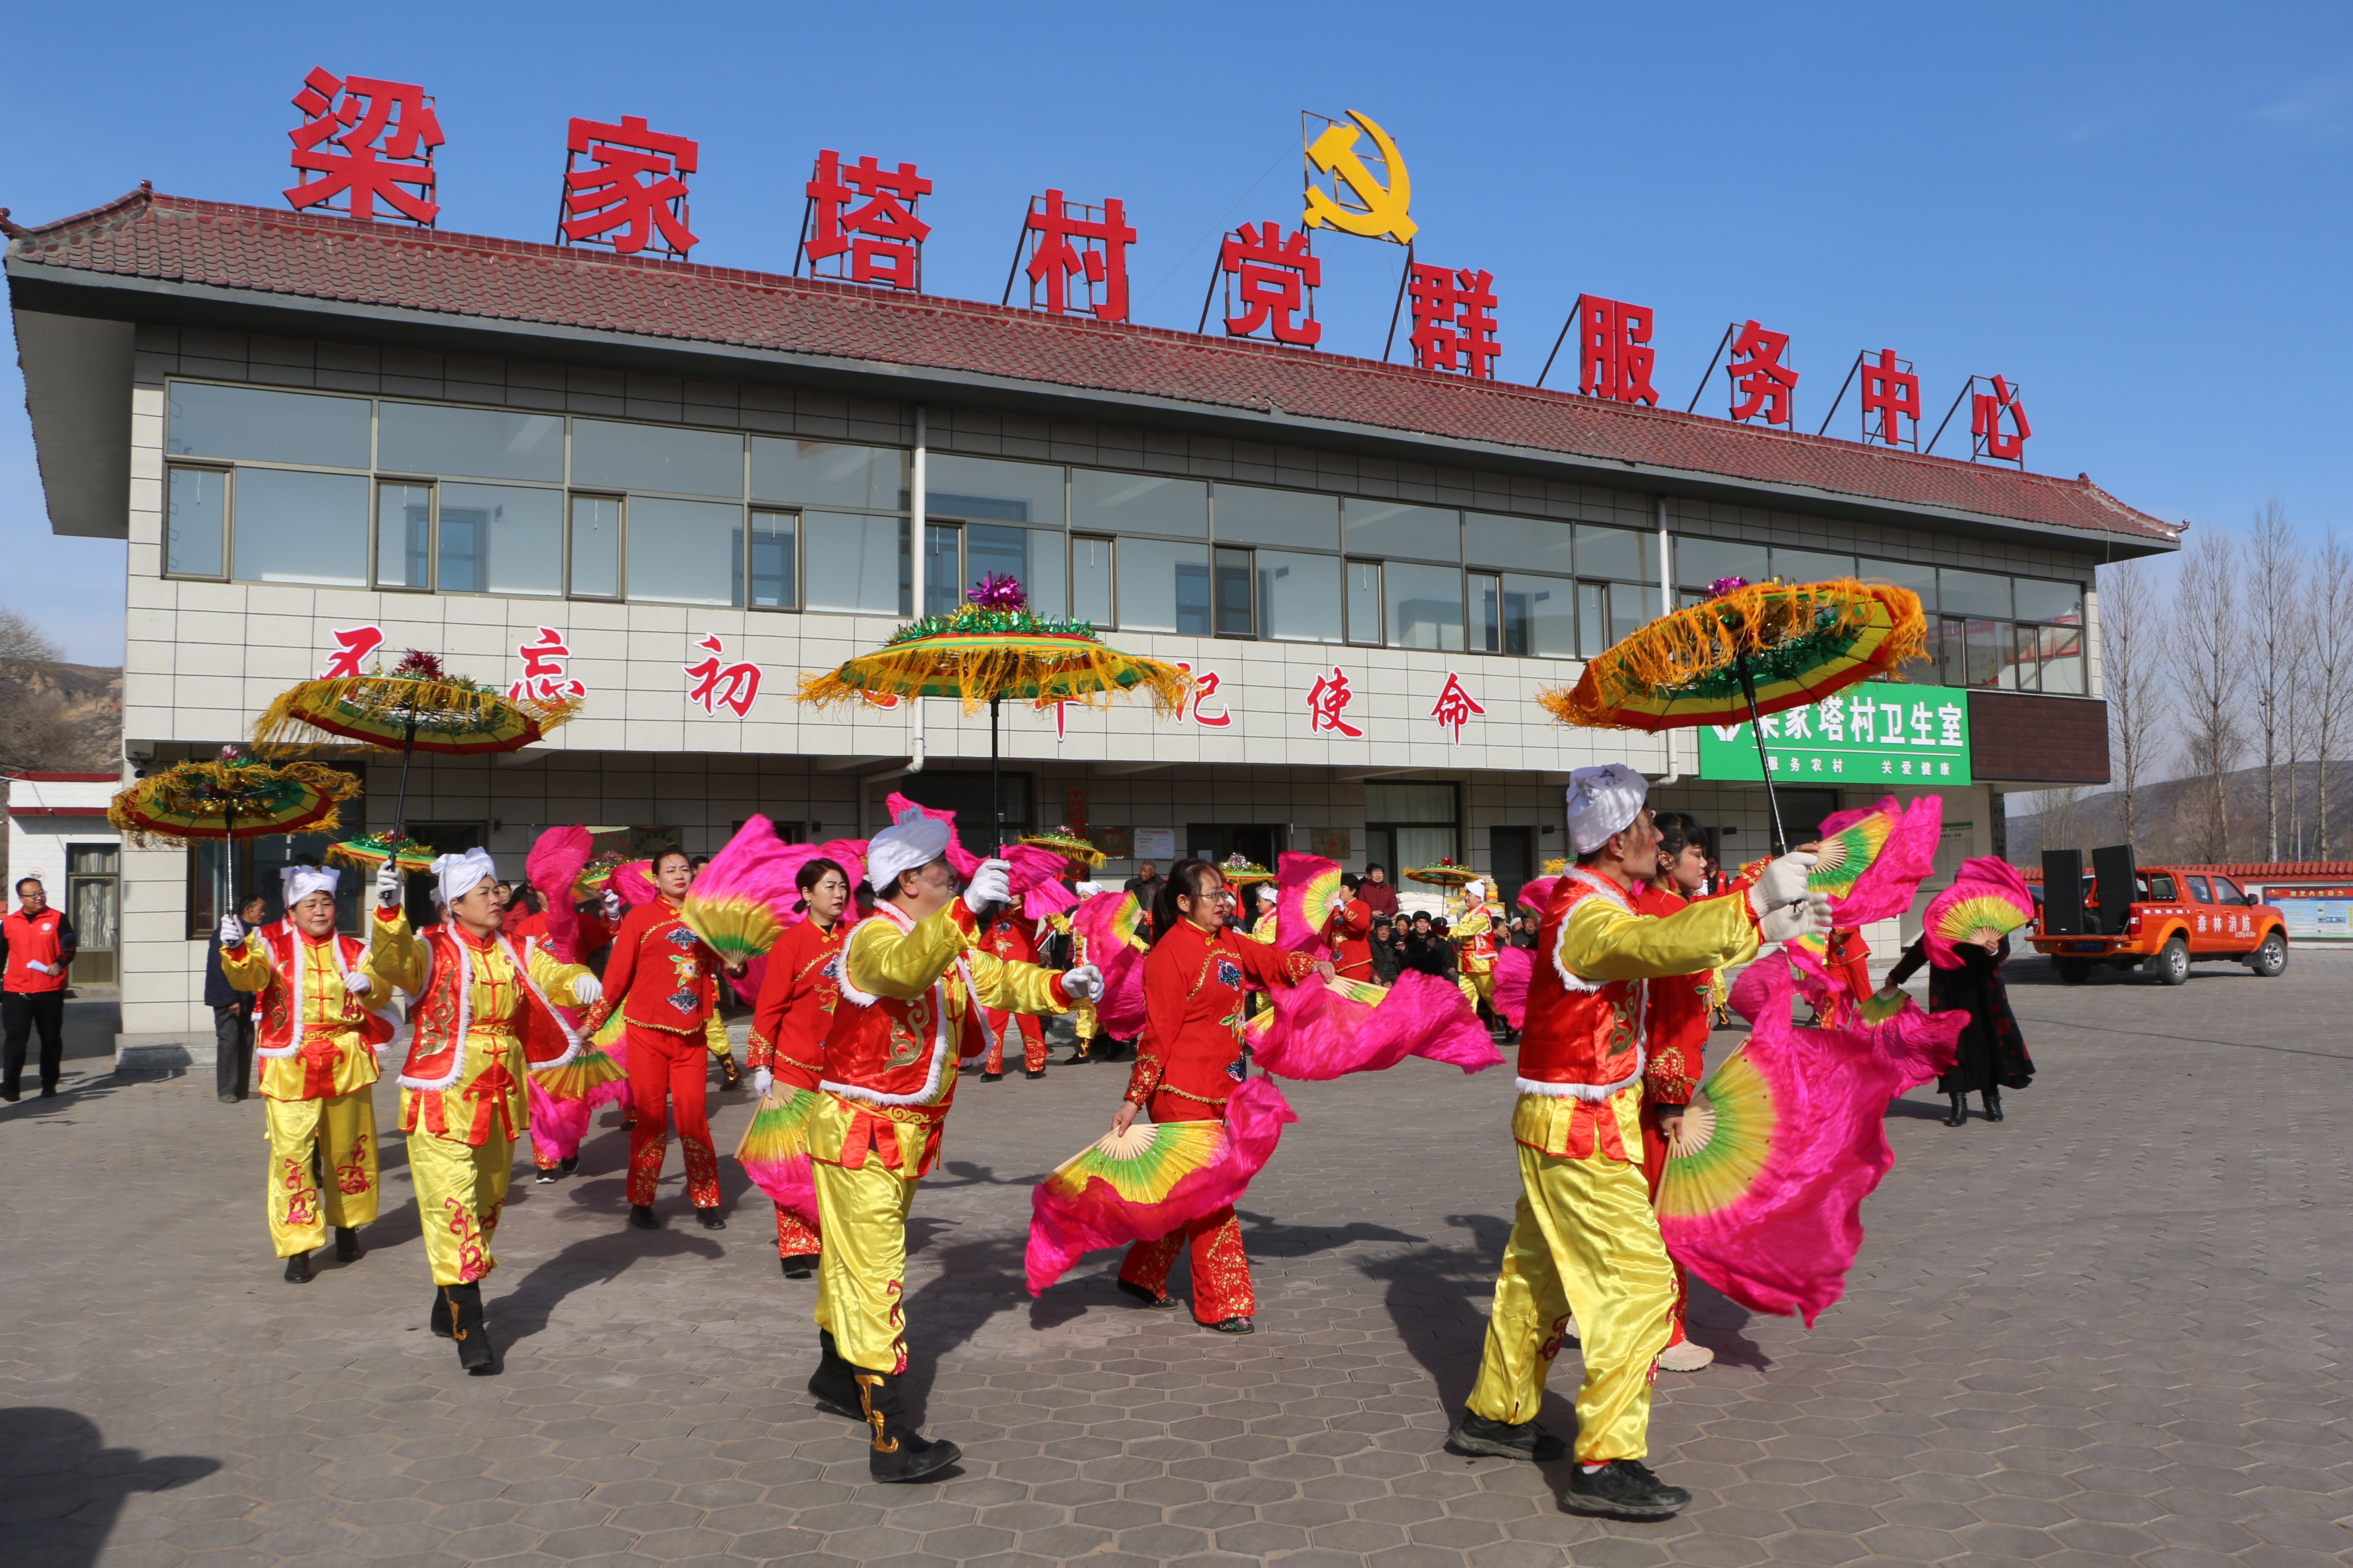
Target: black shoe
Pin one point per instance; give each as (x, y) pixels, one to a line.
(1033, 1073)
(730, 1075)
(1231, 1326)
(297, 1269)
(642, 1217)
(347, 1245)
(48, 1091)
(1503, 1440)
(1993, 1104)
(571, 1163)
(991, 1077)
(1625, 1488)
(466, 1326)
(442, 1324)
(1078, 1054)
(709, 1219)
(834, 1384)
(10, 1095)
(899, 1453)
(547, 1176)
(800, 1266)
(1146, 1297)
(224, 1099)
(1960, 1110)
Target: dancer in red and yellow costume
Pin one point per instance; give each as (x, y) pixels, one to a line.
(474, 993)
(1473, 935)
(912, 984)
(1012, 938)
(664, 982)
(1188, 1063)
(1585, 1239)
(316, 1050)
(788, 1026)
(1348, 932)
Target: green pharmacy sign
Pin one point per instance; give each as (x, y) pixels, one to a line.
(1877, 734)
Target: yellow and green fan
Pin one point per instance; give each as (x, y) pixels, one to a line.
(597, 1064)
(1844, 856)
(1307, 893)
(774, 1151)
(1143, 1164)
(1987, 899)
(741, 901)
(1727, 1138)
(1879, 1006)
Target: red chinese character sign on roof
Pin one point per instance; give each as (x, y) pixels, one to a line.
(1988, 438)
(365, 141)
(1453, 319)
(545, 678)
(1455, 707)
(352, 645)
(1327, 703)
(1275, 274)
(1761, 384)
(1613, 352)
(863, 221)
(1892, 392)
(1077, 249)
(624, 186)
(717, 684)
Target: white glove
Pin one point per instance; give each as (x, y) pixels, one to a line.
(611, 904)
(1088, 889)
(992, 883)
(358, 983)
(762, 1080)
(1083, 983)
(1782, 883)
(1810, 916)
(232, 931)
(587, 991)
(37, 967)
(387, 885)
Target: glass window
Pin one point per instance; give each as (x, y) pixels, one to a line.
(1090, 580)
(986, 488)
(292, 527)
(195, 522)
(1233, 587)
(608, 454)
(2042, 601)
(1393, 529)
(1032, 556)
(1986, 651)
(1135, 503)
(596, 546)
(1252, 514)
(1402, 803)
(855, 564)
(1424, 605)
(775, 580)
(1973, 593)
(484, 442)
(1488, 540)
(1617, 552)
(943, 581)
(1486, 598)
(1164, 586)
(1810, 565)
(1592, 618)
(2063, 660)
(829, 474)
(1947, 651)
(1363, 601)
(1539, 616)
(2226, 892)
(266, 426)
(1921, 580)
(2198, 889)
(404, 536)
(500, 539)
(2020, 675)
(680, 551)
(1700, 562)
(1631, 607)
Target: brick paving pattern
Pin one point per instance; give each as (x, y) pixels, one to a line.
(2111, 1330)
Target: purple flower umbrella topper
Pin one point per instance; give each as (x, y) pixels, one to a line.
(998, 590)
(1723, 586)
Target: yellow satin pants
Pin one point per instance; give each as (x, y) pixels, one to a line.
(344, 1132)
(460, 1188)
(861, 1282)
(1585, 1240)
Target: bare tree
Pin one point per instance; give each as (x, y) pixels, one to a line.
(2275, 565)
(2329, 705)
(2060, 818)
(2209, 667)
(2132, 679)
(39, 727)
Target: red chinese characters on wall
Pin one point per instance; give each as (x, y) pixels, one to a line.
(1328, 704)
(1453, 319)
(1206, 682)
(863, 219)
(352, 645)
(1986, 411)
(365, 141)
(1761, 384)
(545, 678)
(1082, 246)
(1455, 707)
(1892, 392)
(1274, 273)
(624, 186)
(1613, 352)
(718, 684)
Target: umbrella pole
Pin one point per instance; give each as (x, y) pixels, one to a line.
(228, 859)
(1764, 766)
(996, 799)
(400, 806)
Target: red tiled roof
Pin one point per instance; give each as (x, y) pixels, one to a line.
(226, 245)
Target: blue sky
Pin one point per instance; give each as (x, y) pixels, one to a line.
(2138, 213)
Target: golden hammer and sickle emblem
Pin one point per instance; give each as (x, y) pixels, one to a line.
(1385, 216)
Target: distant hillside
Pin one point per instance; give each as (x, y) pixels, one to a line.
(59, 718)
(2177, 820)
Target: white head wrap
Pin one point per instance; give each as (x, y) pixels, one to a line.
(1475, 891)
(916, 841)
(1603, 800)
(455, 876)
(296, 883)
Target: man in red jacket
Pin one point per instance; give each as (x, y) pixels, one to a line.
(40, 945)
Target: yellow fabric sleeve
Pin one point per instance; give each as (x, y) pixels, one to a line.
(395, 955)
(247, 966)
(883, 961)
(714, 1034)
(1014, 987)
(1601, 940)
(554, 976)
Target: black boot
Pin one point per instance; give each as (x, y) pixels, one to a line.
(474, 1352)
(834, 1384)
(642, 1217)
(710, 1219)
(347, 1245)
(899, 1453)
(1993, 1104)
(441, 1323)
(1624, 1489)
(297, 1269)
(1505, 1439)
(1033, 1074)
(991, 1077)
(571, 1163)
(798, 1266)
(1139, 1293)
(1960, 1109)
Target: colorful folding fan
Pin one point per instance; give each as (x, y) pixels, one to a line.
(774, 1151)
(1987, 898)
(1323, 1029)
(741, 901)
(1113, 938)
(1307, 890)
(1872, 862)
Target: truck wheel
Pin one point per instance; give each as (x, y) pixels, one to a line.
(2072, 971)
(2171, 963)
(2271, 957)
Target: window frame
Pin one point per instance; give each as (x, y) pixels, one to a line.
(620, 498)
(227, 472)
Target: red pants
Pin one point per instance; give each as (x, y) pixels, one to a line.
(676, 1068)
(795, 1239)
(1033, 1041)
(1654, 1165)
(1221, 1276)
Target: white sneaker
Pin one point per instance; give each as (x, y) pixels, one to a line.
(1688, 1356)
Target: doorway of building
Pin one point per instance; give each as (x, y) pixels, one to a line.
(94, 903)
(1512, 858)
(442, 838)
(1216, 840)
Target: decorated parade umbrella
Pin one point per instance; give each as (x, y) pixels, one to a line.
(230, 796)
(368, 853)
(1750, 649)
(1067, 844)
(1445, 873)
(992, 647)
(1240, 871)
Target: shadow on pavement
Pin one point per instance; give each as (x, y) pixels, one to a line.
(65, 1486)
(592, 1260)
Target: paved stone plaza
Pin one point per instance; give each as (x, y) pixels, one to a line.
(2112, 1329)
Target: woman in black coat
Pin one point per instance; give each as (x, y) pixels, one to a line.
(1992, 1055)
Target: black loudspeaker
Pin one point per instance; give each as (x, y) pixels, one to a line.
(2114, 869)
(2062, 892)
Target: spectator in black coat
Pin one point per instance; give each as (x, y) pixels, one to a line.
(232, 1016)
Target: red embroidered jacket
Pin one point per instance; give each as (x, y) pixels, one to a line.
(796, 1002)
(1010, 935)
(1190, 1060)
(1347, 934)
(1678, 1016)
(660, 975)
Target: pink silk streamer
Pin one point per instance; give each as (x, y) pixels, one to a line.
(961, 860)
(1885, 891)
(1785, 1246)
(1536, 894)
(1318, 1034)
(1063, 1229)
(1119, 1012)
(553, 864)
(1514, 966)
